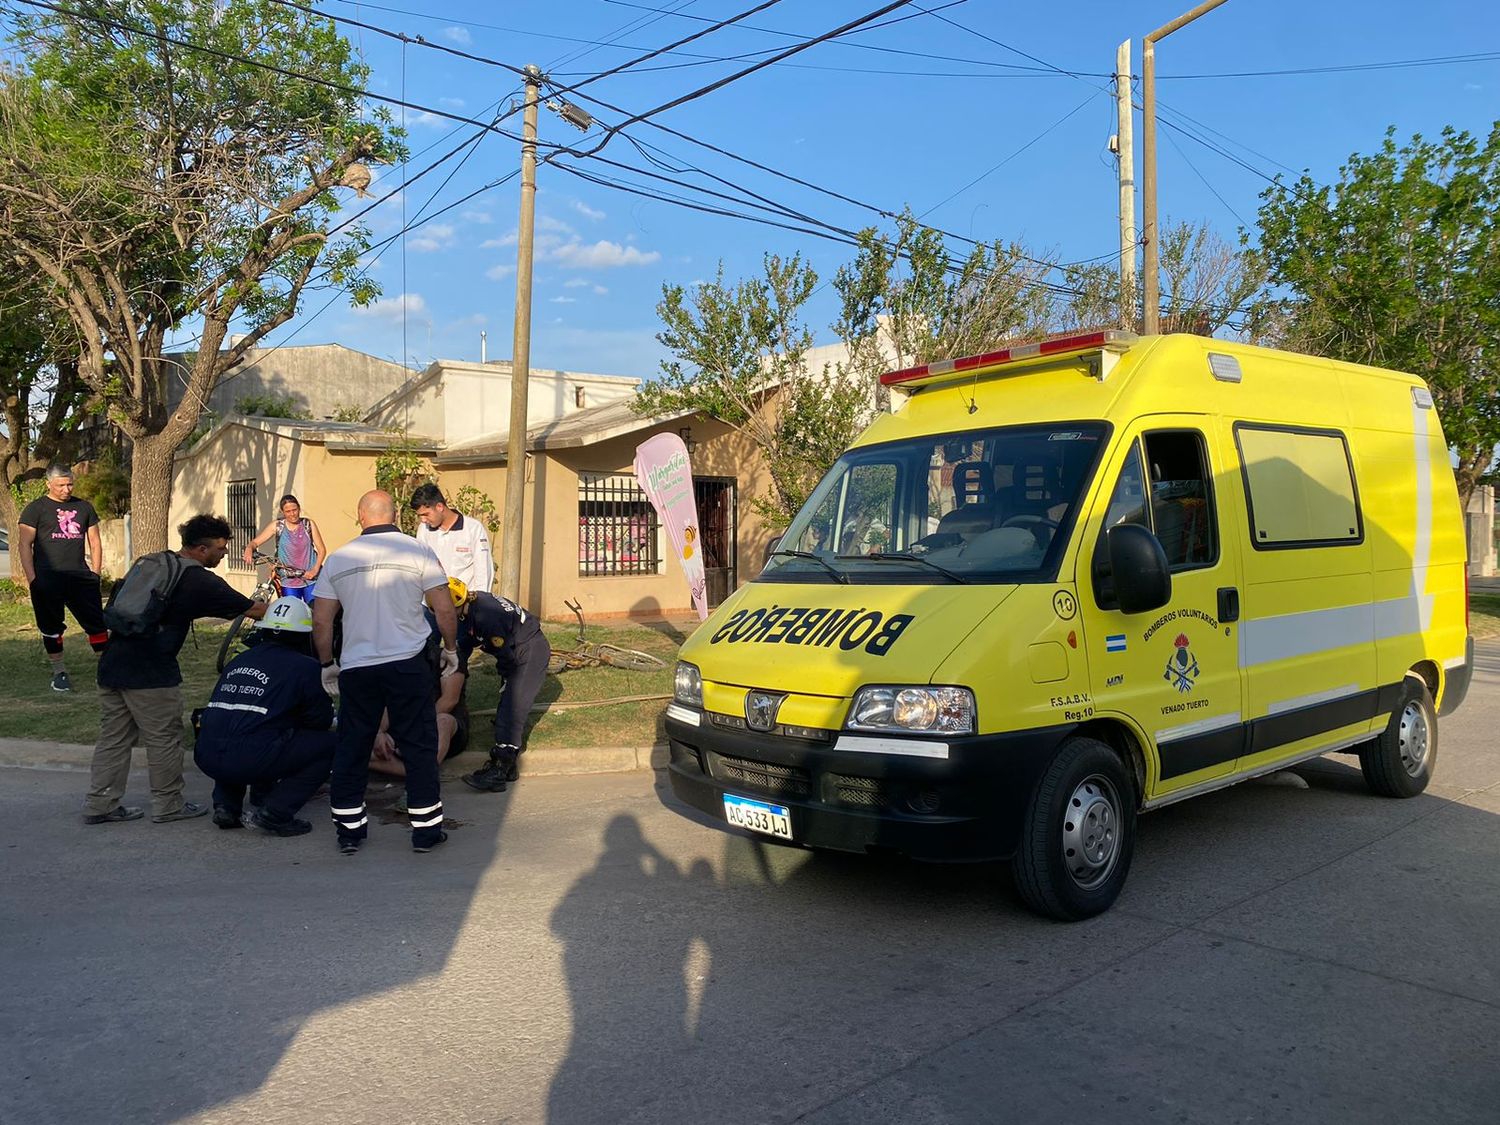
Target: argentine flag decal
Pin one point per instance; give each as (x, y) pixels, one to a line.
(1115, 642)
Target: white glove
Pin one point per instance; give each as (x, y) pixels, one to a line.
(331, 679)
(448, 662)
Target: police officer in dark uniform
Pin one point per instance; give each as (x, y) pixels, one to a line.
(268, 725)
(500, 628)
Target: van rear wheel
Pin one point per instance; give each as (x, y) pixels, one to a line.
(1079, 833)
(1399, 763)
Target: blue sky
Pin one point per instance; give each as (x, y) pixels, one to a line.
(930, 111)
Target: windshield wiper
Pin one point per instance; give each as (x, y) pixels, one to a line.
(903, 556)
(819, 559)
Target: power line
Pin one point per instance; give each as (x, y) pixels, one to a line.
(1012, 156)
(1397, 64)
(692, 95)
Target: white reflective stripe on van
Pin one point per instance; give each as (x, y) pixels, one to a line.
(1456, 662)
(1197, 727)
(1299, 701)
(909, 747)
(1265, 640)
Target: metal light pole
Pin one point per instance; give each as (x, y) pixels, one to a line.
(520, 365)
(1152, 312)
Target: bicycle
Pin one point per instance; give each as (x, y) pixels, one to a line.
(589, 654)
(267, 590)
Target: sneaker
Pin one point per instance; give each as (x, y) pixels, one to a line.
(349, 847)
(226, 818)
(116, 815)
(60, 682)
(262, 822)
(428, 845)
(187, 812)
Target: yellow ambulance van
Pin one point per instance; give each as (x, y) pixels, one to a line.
(1072, 581)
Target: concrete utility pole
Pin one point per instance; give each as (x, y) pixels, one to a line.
(1125, 144)
(520, 363)
(1152, 311)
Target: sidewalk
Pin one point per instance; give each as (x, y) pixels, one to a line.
(25, 753)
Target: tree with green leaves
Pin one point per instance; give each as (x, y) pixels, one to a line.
(906, 300)
(1398, 265)
(40, 393)
(1207, 287)
(739, 354)
(169, 164)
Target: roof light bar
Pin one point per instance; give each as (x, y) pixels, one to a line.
(1112, 338)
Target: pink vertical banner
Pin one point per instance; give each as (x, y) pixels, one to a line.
(666, 477)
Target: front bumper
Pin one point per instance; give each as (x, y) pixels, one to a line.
(968, 805)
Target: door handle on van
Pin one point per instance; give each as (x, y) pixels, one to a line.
(1229, 604)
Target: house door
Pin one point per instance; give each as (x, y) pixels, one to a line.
(716, 530)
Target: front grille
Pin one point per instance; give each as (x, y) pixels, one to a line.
(786, 780)
(860, 792)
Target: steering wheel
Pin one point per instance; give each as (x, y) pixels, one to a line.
(1032, 522)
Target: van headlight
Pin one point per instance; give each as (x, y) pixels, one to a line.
(687, 685)
(928, 710)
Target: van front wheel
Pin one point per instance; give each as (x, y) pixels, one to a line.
(1400, 761)
(1079, 833)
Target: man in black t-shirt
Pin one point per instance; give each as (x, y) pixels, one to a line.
(140, 684)
(54, 530)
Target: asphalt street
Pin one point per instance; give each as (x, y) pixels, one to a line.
(1286, 951)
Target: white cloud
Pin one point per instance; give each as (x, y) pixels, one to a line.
(601, 255)
(393, 308)
(600, 290)
(499, 243)
(564, 300)
(459, 35)
(451, 103)
(575, 283)
(547, 222)
(434, 236)
(496, 273)
(480, 217)
(586, 211)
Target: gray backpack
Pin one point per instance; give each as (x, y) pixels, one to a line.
(139, 603)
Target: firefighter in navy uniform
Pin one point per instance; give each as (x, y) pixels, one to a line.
(500, 628)
(268, 725)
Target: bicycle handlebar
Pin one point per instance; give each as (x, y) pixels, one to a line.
(281, 568)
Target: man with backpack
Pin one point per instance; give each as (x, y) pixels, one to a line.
(140, 684)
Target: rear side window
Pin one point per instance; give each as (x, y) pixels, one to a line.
(1300, 487)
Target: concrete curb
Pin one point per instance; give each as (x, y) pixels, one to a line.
(23, 753)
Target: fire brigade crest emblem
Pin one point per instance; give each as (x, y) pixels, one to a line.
(1182, 665)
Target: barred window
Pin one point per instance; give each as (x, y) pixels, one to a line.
(241, 504)
(618, 532)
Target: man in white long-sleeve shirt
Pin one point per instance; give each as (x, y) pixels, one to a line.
(461, 544)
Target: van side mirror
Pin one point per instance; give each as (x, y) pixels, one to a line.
(771, 549)
(1138, 569)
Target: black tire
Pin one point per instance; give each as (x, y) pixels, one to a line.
(633, 659)
(1079, 833)
(1399, 763)
(227, 648)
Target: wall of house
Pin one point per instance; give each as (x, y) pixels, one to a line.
(318, 378)
(720, 452)
(420, 412)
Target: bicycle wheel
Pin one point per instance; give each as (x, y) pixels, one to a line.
(630, 658)
(228, 650)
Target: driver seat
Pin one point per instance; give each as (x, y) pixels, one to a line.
(974, 493)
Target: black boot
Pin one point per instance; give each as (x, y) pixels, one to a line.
(498, 773)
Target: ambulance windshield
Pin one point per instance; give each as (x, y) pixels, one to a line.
(992, 505)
